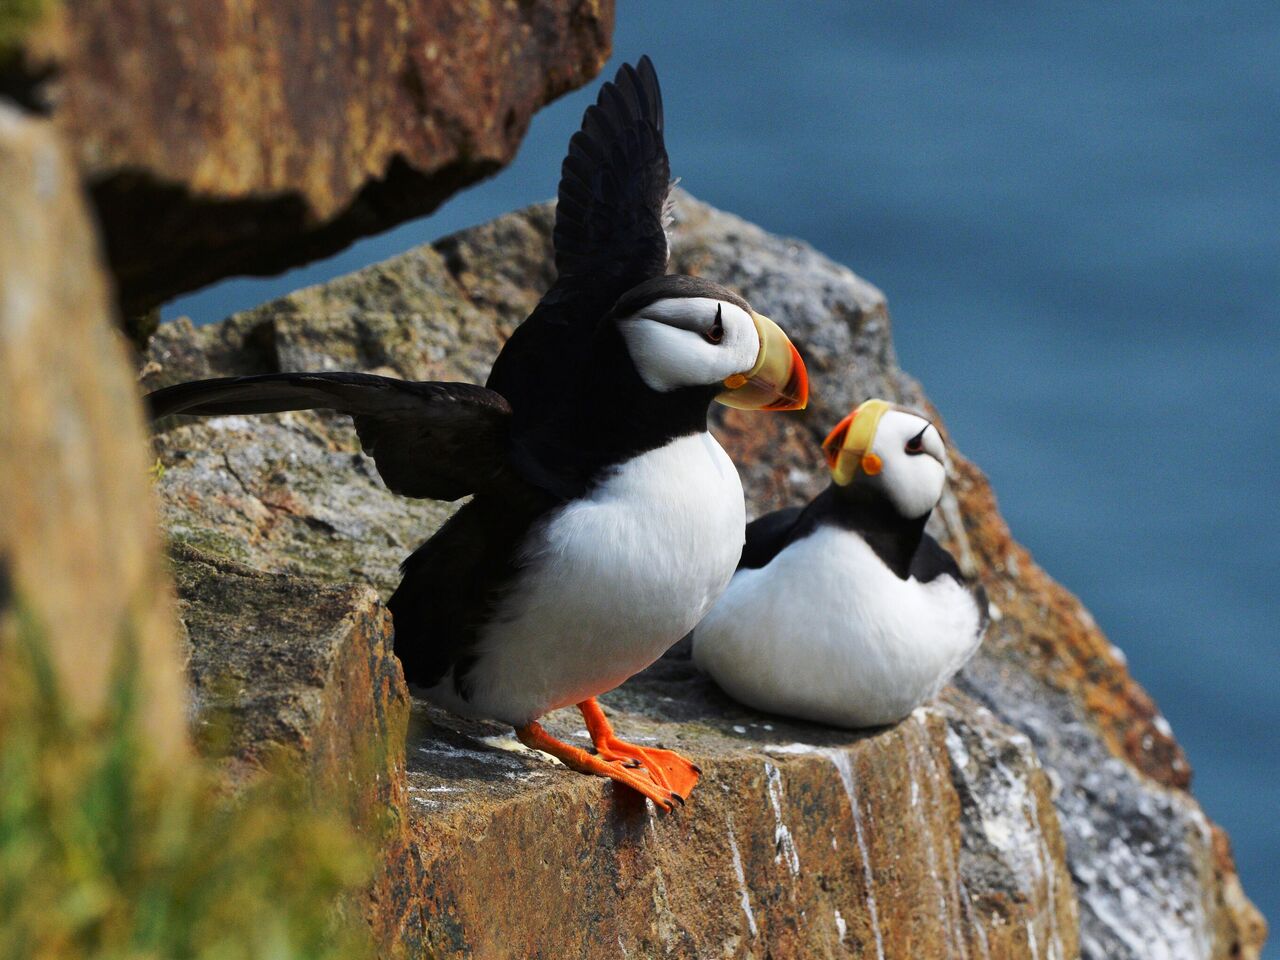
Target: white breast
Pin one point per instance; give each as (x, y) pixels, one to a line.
(611, 582)
(827, 632)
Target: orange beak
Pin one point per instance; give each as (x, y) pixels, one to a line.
(777, 381)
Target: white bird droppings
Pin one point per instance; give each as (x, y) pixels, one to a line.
(782, 839)
(741, 876)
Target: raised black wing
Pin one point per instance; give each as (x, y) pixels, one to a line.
(608, 237)
(767, 535)
(429, 439)
(614, 182)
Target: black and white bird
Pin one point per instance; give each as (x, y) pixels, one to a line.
(604, 520)
(845, 611)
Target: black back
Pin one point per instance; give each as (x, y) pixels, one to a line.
(902, 544)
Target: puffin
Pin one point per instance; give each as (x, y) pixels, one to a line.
(604, 518)
(845, 611)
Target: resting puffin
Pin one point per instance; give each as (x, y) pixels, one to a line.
(604, 519)
(845, 611)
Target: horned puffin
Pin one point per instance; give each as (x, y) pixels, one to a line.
(604, 520)
(845, 612)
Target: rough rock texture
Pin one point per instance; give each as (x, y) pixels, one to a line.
(299, 667)
(78, 544)
(228, 137)
(787, 852)
(1038, 810)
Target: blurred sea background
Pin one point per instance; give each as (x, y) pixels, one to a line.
(1075, 215)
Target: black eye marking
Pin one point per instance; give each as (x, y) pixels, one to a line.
(716, 333)
(915, 445)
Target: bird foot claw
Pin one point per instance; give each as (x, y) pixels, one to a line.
(667, 768)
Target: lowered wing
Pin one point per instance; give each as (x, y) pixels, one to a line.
(429, 439)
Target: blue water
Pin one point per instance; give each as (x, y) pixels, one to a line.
(1076, 218)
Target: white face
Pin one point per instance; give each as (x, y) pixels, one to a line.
(914, 462)
(678, 342)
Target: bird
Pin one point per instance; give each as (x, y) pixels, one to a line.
(845, 611)
(604, 518)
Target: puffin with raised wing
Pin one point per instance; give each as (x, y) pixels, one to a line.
(845, 611)
(605, 520)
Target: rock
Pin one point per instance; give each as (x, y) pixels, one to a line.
(282, 665)
(1040, 808)
(1142, 853)
(804, 841)
(250, 137)
(800, 841)
(80, 558)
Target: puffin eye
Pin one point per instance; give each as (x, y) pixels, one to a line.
(716, 333)
(916, 444)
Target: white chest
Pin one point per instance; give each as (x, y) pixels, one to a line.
(827, 632)
(612, 580)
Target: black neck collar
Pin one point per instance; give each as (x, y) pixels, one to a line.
(894, 538)
(606, 418)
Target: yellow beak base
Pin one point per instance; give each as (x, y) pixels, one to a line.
(848, 446)
(778, 381)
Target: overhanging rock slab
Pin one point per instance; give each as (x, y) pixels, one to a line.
(220, 138)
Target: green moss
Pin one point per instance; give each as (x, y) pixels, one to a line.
(17, 17)
(105, 853)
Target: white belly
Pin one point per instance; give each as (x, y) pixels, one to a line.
(827, 632)
(610, 583)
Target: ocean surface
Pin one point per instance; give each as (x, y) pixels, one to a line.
(1076, 218)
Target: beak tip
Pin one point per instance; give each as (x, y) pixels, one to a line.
(800, 376)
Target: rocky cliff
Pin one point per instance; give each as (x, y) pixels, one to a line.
(1039, 809)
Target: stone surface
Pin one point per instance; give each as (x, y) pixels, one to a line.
(802, 841)
(1143, 856)
(288, 668)
(246, 137)
(78, 543)
(503, 854)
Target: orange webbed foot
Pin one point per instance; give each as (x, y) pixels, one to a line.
(669, 768)
(666, 767)
(634, 776)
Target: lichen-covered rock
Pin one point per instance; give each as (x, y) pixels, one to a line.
(285, 667)
(801, 842)
(1042, 811)
(247, 137)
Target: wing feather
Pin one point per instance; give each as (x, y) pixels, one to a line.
(767, 536)
(431, 439)
(609, 236)
(613, 190)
